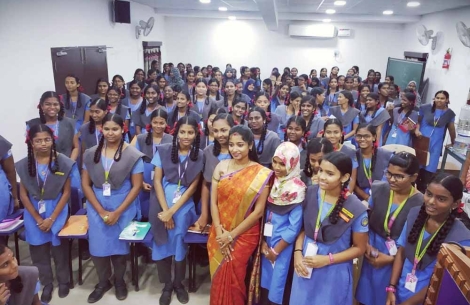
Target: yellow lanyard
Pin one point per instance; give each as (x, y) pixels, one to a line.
(388, 224)
(318, 223)
(419, 254)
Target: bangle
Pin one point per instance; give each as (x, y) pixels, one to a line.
(390, 289)
(332, 260)
(218, 226)
(298, 250)
(274, 251)
(391, 285)
(51, 219)
(229, 237)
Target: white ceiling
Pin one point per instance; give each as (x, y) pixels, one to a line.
(308, 10)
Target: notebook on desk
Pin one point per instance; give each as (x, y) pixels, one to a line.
(136, 230)
(77, 225)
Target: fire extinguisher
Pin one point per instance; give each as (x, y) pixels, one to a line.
(447, 57)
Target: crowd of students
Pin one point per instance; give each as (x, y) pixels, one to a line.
(289, 171)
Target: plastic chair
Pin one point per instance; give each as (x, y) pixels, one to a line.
(194, 240)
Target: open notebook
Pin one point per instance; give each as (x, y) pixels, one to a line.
(135, 231)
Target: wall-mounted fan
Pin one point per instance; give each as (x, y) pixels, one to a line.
(424, 35)
(464, 33)
(146, 27)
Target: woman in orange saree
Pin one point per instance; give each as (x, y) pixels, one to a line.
(240, 187)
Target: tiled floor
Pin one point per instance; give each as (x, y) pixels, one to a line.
(150, 287)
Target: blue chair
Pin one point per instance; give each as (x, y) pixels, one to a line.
(148, 239)
(14, 231)
(194, 241)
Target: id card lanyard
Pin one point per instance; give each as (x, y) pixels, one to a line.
(367, 171)
(389, 224)
(107, 168)
(181, 175)
(41, 196)
(74, 108)
(419, 254)
(435, 124)
(318, 223)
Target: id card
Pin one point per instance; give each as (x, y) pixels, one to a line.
(106, 189)
(41, 207)
(268, 229)
(312, 250)
(411, 281)
(391, 246)
(176, 196)
(394, 134)
(152, 174)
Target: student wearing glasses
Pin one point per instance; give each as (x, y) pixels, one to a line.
(386, 224)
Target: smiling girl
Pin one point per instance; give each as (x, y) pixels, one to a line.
(401, 130)
(148, 144)
(316, 149)
(90, 132)
(296, 129)
(75, 102)
(375, 115)
(207, 138)
(333, 132)
(201, 98)
(238, 198)
(213, 154)
(425, 230)
(372, 160)
(44, 191)
(335, 233)
(183, 108)
(314, 123)
(346, 113)
(261, 100)
(283, 221)
(178, 168)
(141, 117)
(238, 111)
(386, 225)
(115, 105)
(266, 141)
(290, 108)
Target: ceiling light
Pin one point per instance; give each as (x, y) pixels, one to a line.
(340, 3)
(232, 18)
(330, 11)
(205, 1)
(413, 4)
(222, 9)
(388, 12)
(326, 20)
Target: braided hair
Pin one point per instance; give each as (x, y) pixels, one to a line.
(268, 82)
(186, 120)
(411, 97)
(373, 131)
(315, 146)
(302, 124)
(67, 98)
(122, 91)
(174, 116)
(158, 113)
(446, 94)
(407, 161)
(344, 165)
(44, 97)
(162, 99)
(144, 104)
(454, 186)
(32, 132)
(228, 118)
(100, 104)
(116, 118)
(247, 136)
(259, 95)
(288, 96)
(119, 104)
(375, 97)
(361, 87)
(260, 146)
(201, 80)
(309, 100)
(293, 96)
(217, 97)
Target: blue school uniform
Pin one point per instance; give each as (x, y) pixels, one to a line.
(6, 200)
(396, 134)
(34, 235)
(104, 239)
(438, 134)
(132, 107)
(77, 114)
(332, 284)
(423, 276)
(285, 227)
(183, 219)
(368, 118)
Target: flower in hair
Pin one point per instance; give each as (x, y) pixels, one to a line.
(321, 132)
(344, 133)
(126, 130)
(148, 127)
(344, 193)
(229, 108)
(307, 135)
(167, 129)
(199, 129)
(190, 105)
(284, 130)
(108, 108)
(460, 207)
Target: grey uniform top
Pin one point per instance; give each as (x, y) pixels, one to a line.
(64, 141)
(316, 127)
(271, 142)
(88, 139)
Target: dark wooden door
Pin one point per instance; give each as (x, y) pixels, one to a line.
(87, 63)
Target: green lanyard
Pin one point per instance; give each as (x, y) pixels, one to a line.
(419, 254)
(368, 171)
(317, 225)
(388, 227)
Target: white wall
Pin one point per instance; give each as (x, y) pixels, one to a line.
(456, 79)
(219, 41)
(30, 28)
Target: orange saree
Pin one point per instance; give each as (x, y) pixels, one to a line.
(236, 196)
